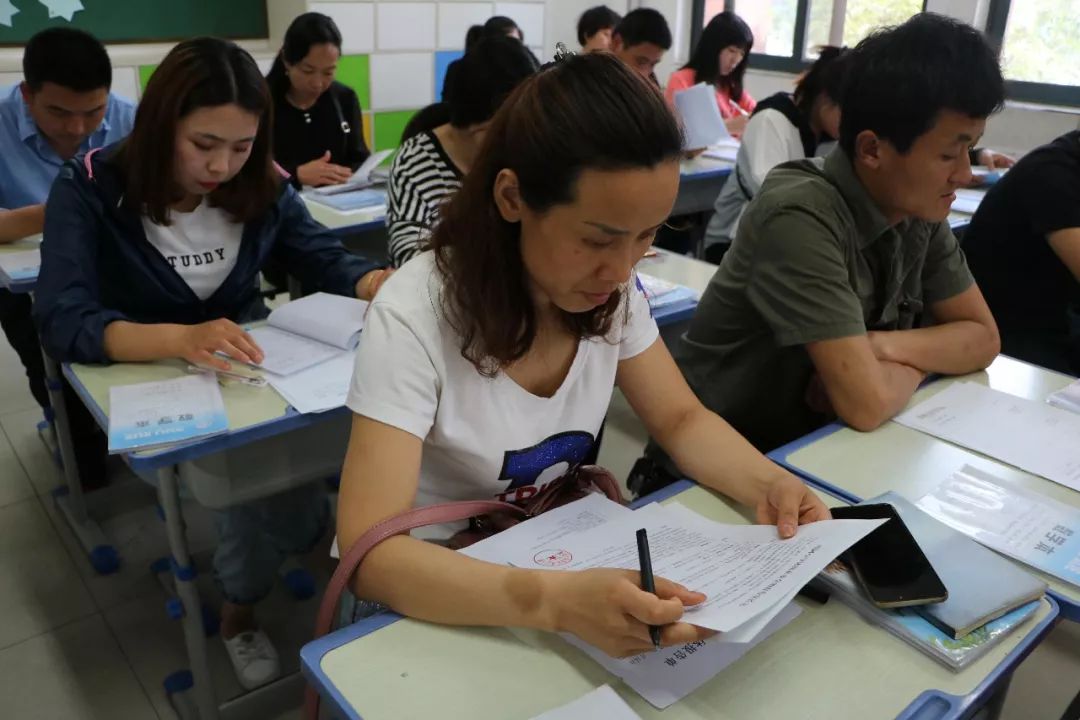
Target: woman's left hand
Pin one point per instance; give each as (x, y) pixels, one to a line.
(789, 502)
(368, 285)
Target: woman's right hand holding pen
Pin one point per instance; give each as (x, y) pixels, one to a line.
(607, 608)
(203, 344)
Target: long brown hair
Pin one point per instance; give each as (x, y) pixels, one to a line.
(203, 72)
(586, 112)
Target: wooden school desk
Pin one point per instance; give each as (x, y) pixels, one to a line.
(858, 465)
(827, 664)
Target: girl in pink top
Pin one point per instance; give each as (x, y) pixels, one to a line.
(720, 59)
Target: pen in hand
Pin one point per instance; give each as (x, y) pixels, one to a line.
(648, 584)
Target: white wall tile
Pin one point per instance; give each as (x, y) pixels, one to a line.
(405, 26)
(125, 83)
(355, 20)
(455, 19)
(264, 64)
(528, 16)
(402, 81)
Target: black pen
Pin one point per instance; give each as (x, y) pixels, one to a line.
(648, 584)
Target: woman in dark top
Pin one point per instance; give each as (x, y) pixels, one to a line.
(1023, 247)
(318, 133)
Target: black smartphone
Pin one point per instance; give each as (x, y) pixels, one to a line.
(888, 563)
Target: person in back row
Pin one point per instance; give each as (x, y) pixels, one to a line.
(430, 165)
(720, 60)
(62, 107)
(845, 286)
(318, 131)
(594, 28)
(152, 249)
(641, 40)
(487, 365)
(783, 127)
(1023, 245)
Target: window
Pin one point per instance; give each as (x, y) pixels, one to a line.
(1040, 48)
(787, 32)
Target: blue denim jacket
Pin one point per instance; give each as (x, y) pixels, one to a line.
(98, 267)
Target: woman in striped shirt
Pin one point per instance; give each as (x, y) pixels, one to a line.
(430, 165)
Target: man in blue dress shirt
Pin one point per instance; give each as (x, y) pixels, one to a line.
(63, 108)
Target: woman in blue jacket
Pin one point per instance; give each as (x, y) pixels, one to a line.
(153, 249)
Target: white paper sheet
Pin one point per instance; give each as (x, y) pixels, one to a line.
(1031, 435)
(967, 201)
(285, 353)
(360, 179)
(702, 124)
(333, 319)
(603, 703)
(668, 675)
(727, 149)
(319, 388)
(742, 569)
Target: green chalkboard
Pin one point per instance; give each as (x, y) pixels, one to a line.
(120, 21)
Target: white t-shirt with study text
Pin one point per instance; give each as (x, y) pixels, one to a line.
(201, 246)
(484, 438)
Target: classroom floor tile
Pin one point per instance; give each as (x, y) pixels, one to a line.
(73, 672)
(14, 483)
(40, 588)
(14, 391)
(21, 430)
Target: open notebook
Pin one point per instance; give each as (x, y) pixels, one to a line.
(360, 179)
(309, 331)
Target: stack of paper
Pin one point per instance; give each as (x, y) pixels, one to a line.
(1031, 435)
(967, 201)
(1067, 398)
(353, 200)
(747, 573)
(149, 415)
(661, 293)
(727, 149)
(702, 124)
(21, 265)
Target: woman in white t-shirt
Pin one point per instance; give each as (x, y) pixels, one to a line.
(784, 127)
(487, 364)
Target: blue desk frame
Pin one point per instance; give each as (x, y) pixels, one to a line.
(929, 705)
(1070, 609)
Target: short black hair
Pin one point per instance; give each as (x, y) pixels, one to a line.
(825, 77)
(644, 25)
(67, 57)
(494, 66)
(502, 25)
(594, 20)
(899, 79)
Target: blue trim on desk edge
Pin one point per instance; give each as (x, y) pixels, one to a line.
(781, 454)
(291, 420)
(961, 705)
(1070, 609)
(675, 313)
(312, 653)
(707, 174)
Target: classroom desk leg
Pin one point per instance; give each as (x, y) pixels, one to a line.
(69, 498)
(184, 574)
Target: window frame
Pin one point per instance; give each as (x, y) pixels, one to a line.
(794, 63)
(1021, 90)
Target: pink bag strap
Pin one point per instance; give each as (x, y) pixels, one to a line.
(396, 525)
(86, 162)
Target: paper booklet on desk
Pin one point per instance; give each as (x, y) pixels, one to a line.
(747, 573)
(149, 415)
(967, 201)
(309, 331)
(727, 149)
(362, 178)
(661, 293)
(702, 124)
(21, 265)
(352, 200)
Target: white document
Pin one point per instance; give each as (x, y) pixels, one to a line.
(967, 201)
(1067, 398)
(360, 179)
(702, 124)
(727, 149)
(320, 388)
(152, 414)
(670, 674)
(742, 569)
(1030, 435)
(603, 703)
(1025, 525)
(21, 265)
(285, 353)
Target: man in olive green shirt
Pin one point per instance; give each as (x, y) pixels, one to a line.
(845, 286)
